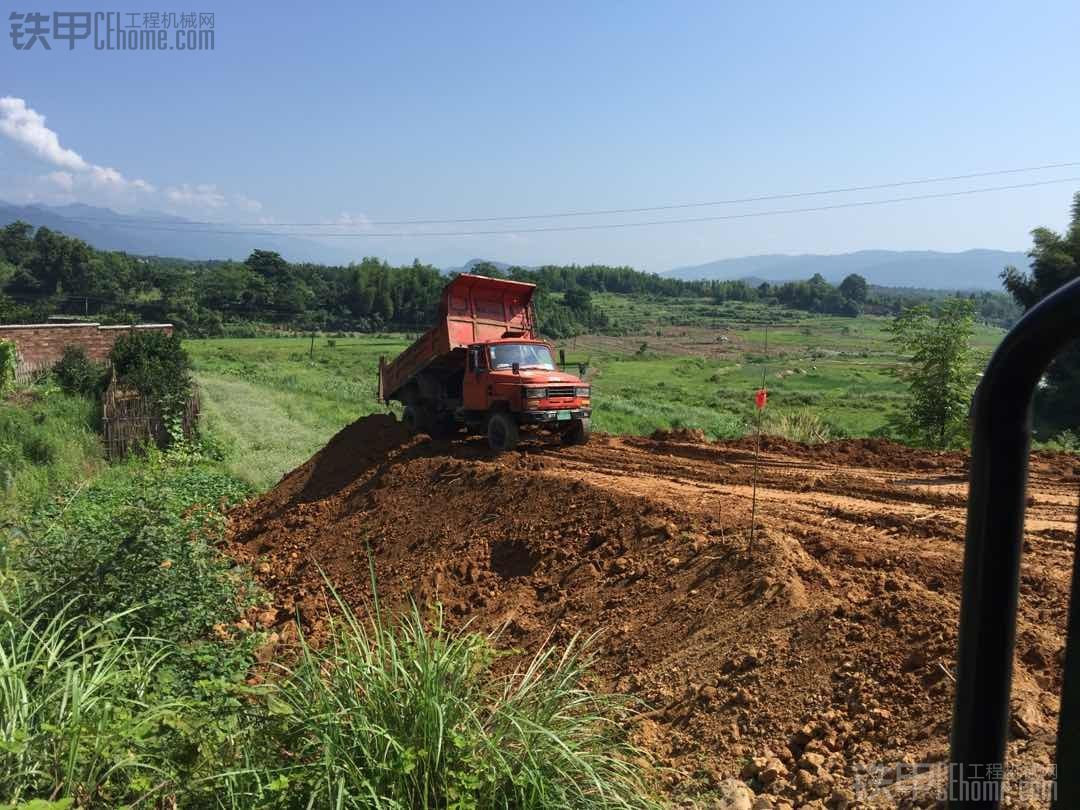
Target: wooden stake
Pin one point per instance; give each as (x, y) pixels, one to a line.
(757, 448)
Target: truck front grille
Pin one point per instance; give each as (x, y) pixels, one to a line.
(562, 391)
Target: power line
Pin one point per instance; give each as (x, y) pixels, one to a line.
(606, 226)
(611, 211)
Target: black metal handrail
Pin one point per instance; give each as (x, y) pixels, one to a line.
(1001, 442)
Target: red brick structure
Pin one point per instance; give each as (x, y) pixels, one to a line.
(41, 345)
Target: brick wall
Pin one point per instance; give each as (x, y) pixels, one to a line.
(40, 345)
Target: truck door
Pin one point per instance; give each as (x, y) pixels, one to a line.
(474, 388)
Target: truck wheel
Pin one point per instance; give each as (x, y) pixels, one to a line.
(578, 432)
(502, 432)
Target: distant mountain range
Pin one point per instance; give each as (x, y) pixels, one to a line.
(927, 269)
(152, 233)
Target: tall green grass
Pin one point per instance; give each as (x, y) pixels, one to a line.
(407, 714)
(799, 426)
(398, 715)
(77, 719)
(47, 443)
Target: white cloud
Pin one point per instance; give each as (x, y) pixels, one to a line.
(77, 177)
(65, 181)
(27, 127)
(352, 220)
(105, 176)
(246, 203)
(204, 195)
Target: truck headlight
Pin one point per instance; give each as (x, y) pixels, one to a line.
(582, 392)
(535, 393)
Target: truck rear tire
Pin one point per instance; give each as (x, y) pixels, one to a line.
(502, 431)
(578, 432)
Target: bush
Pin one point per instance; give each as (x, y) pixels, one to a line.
(406, 716)
(154, 364)
(1067, 441)
(140, 536)
(9, 361)
(77, 374)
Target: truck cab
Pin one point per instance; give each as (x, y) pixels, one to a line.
(519, 378)
(482, 366)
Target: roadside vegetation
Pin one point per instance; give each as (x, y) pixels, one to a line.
(940, 373)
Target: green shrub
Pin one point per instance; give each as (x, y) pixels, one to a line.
(9, 361)
(1066, 440)
(153, 363)
(77, 374)
(139, 536)
(415, 716)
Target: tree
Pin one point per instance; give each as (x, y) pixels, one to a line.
(939, 372)
(578, 298)
(488, 269)
(854, 288)
(1055, 260)
(154, 364)
(16, 244)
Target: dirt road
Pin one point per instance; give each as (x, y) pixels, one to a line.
(826, 647)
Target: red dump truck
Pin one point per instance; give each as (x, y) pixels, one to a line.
(482, 366)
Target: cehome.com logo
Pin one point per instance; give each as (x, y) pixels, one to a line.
(113, 30)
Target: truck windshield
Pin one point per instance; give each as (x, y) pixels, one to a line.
(526, 355)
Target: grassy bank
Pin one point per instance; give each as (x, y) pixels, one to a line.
(47, 443)
(273, 402)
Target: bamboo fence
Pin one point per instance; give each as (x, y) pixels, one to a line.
(130, 421)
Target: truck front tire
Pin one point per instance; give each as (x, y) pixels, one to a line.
(578, 432)
(502, 431)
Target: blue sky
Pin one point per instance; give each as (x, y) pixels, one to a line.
(355, 112)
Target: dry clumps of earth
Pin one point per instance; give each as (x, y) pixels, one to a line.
(776, 669)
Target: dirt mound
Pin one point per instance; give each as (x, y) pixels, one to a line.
(824, 646)
(689, 435)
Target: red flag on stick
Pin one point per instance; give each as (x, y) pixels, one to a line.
(760, 398)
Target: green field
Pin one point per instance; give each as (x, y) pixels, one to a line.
(274, 401)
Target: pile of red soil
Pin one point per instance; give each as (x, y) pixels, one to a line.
(824, 646)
